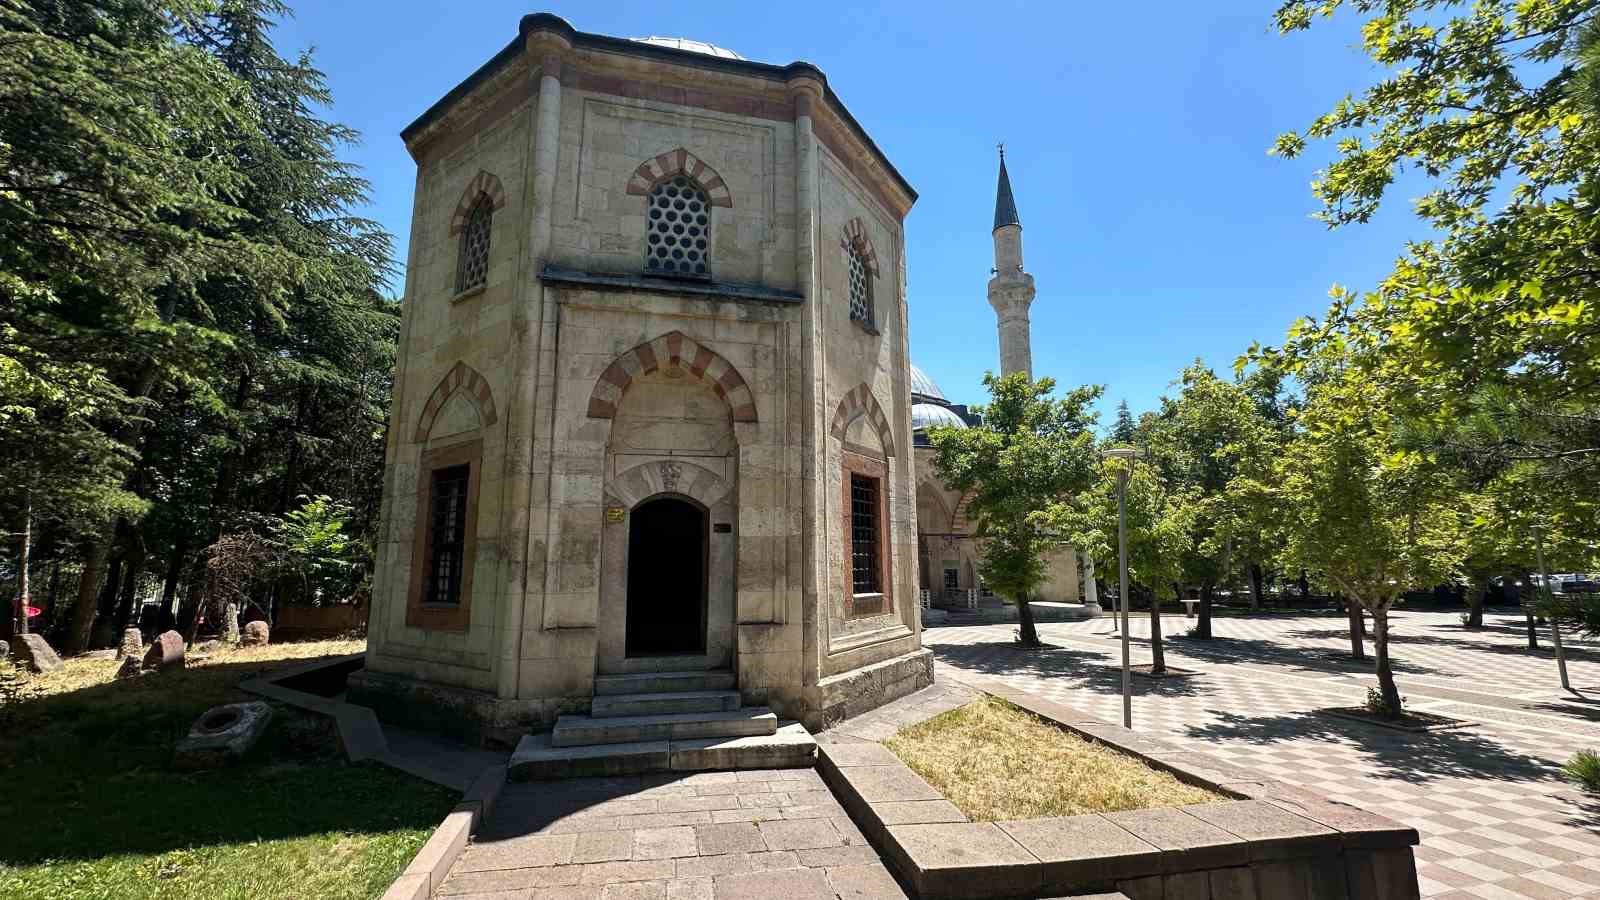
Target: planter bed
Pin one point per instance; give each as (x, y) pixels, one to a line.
(1268, 841)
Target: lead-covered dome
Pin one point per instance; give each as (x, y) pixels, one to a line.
(689, 44)
(922, 385)
(932, 415)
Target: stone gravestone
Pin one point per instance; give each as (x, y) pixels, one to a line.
(256, 634)
(166, 652)
(230, 623)
(34, 654)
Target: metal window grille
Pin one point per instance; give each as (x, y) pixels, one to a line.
(447, 530)
(950, 579)
(864, 534)
(860, 287)
(472, 261)
(678, 224)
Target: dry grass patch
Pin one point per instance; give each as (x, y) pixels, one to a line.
(997, 762)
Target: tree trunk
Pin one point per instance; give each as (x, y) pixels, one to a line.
(1027, 634)
(1158, 656)
(1353, 610)
(1524, 597)
(83, 611)
(1255, 586)
(1202, 628)
(1477, 593)
(169, 588)
(23, 555)
(1391, 694)
(130, 588)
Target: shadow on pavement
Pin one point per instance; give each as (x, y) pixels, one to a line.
(1400, 755)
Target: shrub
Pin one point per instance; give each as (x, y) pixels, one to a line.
(1376, 706)
(1584, 768)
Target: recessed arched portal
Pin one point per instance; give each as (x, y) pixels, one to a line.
(667, 541)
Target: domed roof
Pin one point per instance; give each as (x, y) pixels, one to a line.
(693, 46)
(929, 415)
(922, 384)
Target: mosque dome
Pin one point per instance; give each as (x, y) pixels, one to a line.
(693, 46)
(922, 385)
(931, 415)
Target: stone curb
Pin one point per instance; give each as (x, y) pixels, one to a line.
(429, 868)
(1274, 841)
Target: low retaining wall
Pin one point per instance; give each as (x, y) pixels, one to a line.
(1275, 842)
(319, 621)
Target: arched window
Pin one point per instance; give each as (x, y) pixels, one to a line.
(861, 267)
(472, 259)
(678, 228)
(860, 288)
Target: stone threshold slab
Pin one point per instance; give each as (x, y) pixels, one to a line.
(1272, 841)
(537, 759)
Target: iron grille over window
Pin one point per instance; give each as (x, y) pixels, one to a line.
(951, 579)
(860, 288)
(864, 534)
(472, 261)
(678, 233)
(447, 529)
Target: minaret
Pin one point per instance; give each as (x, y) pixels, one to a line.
(1011, 289)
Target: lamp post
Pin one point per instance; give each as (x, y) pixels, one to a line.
(1555, 618)
(1129, 454)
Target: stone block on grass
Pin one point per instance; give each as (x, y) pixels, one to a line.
(223, 735)
(33, 653)
(166, 652)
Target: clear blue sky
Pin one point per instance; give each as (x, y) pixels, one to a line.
(1155, 224)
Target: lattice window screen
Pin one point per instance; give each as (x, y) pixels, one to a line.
(679, 229)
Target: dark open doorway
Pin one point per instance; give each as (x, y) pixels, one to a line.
(666, 578)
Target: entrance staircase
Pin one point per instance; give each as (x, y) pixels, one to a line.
(663, 722)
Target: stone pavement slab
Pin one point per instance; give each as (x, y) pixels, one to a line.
(658, 836)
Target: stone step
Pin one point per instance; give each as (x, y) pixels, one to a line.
(789, 747)
(613, 705)
(665, 682)
(578, 731)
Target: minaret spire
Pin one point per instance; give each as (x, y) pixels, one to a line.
(1005, 206)
(1011, 289)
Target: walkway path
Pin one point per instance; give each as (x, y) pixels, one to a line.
(767, 834)
(1496, 819)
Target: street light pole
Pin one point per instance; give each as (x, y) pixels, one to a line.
(1127, 455)
(1555, 619)
(1122, 590)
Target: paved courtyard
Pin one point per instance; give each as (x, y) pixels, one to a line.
(767, 834)
(1495, 817)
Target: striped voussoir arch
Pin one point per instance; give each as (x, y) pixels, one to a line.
(860, 402)
(481, 183)
(677, 349)
(653, 171)
(461, 377)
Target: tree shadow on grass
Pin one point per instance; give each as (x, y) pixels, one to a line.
(1091, 671)
(90, 771)
(1405, 756)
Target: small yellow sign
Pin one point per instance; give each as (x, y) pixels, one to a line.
(615, 514)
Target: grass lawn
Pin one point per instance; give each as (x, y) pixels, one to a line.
(90, 806)
(996, 762)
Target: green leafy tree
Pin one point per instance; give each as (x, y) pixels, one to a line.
(1371, 516)
(1160, 533)
(1031, 452)
(1494, 320)
(1210, 441)
(319, 550)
